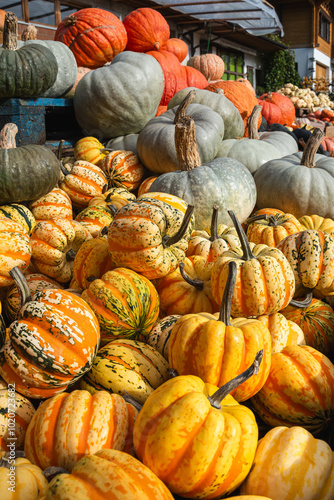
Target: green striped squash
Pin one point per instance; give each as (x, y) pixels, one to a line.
(19, 213)
(160, 333)
(95, 218)
(126, 304)
(127, 366)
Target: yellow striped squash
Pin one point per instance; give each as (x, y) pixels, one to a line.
(318, 223)
(160, 333)
(118, 196)
(15, 249)
(54, 204)
(283, 332)
(14, 409)
(28, 481)
(123, 169)
(89, 149)
(19, 213)
(95, 218)
(91, 261)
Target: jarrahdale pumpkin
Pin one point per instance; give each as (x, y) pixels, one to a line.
(21, 480)
(199, 441)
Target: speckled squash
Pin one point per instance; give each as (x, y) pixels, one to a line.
(112, 473)
(318, 223)
(293, 457)
(15, 249)
(298, 391)
(80, 424)
(56, 203)
(283, 331)
(127, 366)
(126, 304)
(29, 483)
(123, 169)
(19, 213)
(95, 218)
(160, 333)
(145, 185)
(117, 196)
(92, 261)
(89, 149)
(14, 409)
(271, 229)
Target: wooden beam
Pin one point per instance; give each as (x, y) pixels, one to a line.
(25, 11)
(186, 4)
(57, 12)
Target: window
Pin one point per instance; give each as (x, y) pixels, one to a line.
(324, 26)
(15, 7)
(234, 64)
(49, 12)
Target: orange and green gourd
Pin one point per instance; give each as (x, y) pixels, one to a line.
(52, 205)
(318, 223)
(92, 261)
(95, 218)
(271, 229)
(117, 196)
(19, 213)
(123, 169)
(89, 149)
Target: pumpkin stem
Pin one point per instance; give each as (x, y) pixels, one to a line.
(10, 32)
(225, 308)
(199, 284)
(167, 241)
(255, 218)
(216, 398)
(172, 372)
(90, 279)
(308, 158)
(181, 110)
(253, 121)
(70, 255)
(50, 472)
(246, 250)
(60, 149)
(70, 20)
(6, 459)
(22, 286)
(214, 223)
(185, 144)
(7, 136)
(219, 91)
(129, 399)
(104, 230)
(29, 33)
(302, 303)
(112, 208)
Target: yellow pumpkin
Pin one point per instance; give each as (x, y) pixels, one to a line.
(21, 480)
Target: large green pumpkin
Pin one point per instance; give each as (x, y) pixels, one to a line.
(121, 97)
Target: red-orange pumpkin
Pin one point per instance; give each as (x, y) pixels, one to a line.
(177, 47)
(147, 30)
(194, 78)
(287, 108)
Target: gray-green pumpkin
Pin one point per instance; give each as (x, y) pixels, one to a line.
(124, 143)
(233, 122)
(27, 71)
(121, 97)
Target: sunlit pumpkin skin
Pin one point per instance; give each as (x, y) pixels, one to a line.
(318, 223)
(291, 464)
(95, 218)
(95, 36)
(89, 149)
(117, 196)
(56, 203)
(108, 474)
(19, 213)
(272, 229)
(145, 185)
(210, 65)
(30, 483)
(136, 236)
(36, 283)
(202, 243)
(50, 242)
(298, 391)
(160, 333)
(283, 332)
(177, 47)
(92, 260)
(123, 169)
(193, 77)
(180, 296)
(14, 409)
(15, 249)
(285, 105)
(171, 437)
(69, 426)
(310, 254)
(126, 304)
(147, 30)
(127, 366)
(55, 340)
(85, 181)
(317, 322)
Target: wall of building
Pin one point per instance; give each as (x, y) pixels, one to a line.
(307, 60)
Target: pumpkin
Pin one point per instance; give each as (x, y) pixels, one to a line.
(177, 47)
(95, 36)
(123, 169)
(206, 184)
(160, 333)
(270, 111)
(15, 249)
(210, 65)
(216, 349)
(299, 390)
(283, 331)
(109, 473)
(125, 303)
(265, 281)
(16, 413)
(53, 243)
(20, 214)
(117, 196)
(171, 436)
(288, 456)
(169, 63)
(27, 71)
(124, 142)
(81, 72)
(27, 172)
(193, 77)
(55, 204)
(80, 424)
(145, 185)
(287, 108)
(318, 223)
(173, 83)
(55, 339)
(164, 234)
(242, 97)
(92, 260)
(89, 149)
(127, 366)
(247, 83)
(130, 77)
(95, 218)
(147, 29)
(23, 480)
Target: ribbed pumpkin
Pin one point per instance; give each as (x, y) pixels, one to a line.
(15, 249)
(318, 223)
(150, 236)
(218, 349)
(265, 281)
(168, 61)
(92, 261)
(89, 149)
(56, 203)
(117, 196)
(287, 108)
(69, 426)
(95, 218)
(271, 112)
(16, 411)
(187, 290)
(199, 441)
(123, 169)
(53, 243)
(109, 474)
(293, 458)
(95, 36)
(127, 366)
(283, 331)
(126, 304)
(210, 65)
(271, 229)
(85, 181)
(173, 84)
(298, 391)
(147, 30)
(29, 483)
(19, 213)
(55, 339)
(160, 333)
(177, 47)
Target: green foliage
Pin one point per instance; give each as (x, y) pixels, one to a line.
(280, 68)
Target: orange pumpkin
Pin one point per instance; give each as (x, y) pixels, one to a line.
(177, 47)
(123, 169)
(287, 108)
(147, 29)
(271, 229)
(89, 149)
(145, 185)
(210, 65)
(15, 249)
